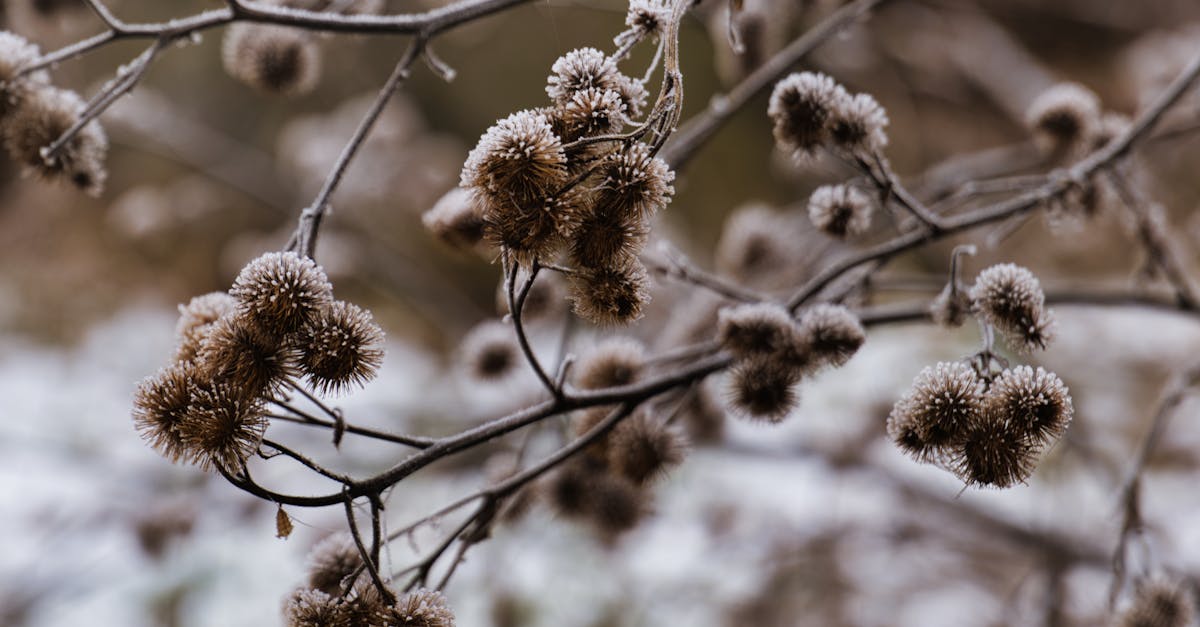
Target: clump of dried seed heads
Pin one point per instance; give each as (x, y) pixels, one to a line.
(988, 431)
(542, 189)
(811, 111)
(240, 350)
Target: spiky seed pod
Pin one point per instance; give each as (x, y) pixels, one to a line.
(332, 560)
(222, 426)
(610, 295)
(755, 329)
(1035, 401)
(933, 415)
(250, 360)
(614, 505)
(1009, 298)
(856, 125)
(634, 183)
(489, 352)
(831, 333)
(648, 18)
(160, 404)
(311, 608)
(196, 319)
(950, 310)
(281, 292)
(801, 105)
(40, 117)
(531, 230)
(614, 362)
(840, 211)
(270, 58)
(568, 489)
(1159, 603)
(365, 606)
(1064, 118)
(642, 449)
(456, 219)
(579, 70)
(602, 238)
(633, 95)
(15, 53)
(762, 388)
(993, 452)
(583, 422)
(340, 348)
(421, 608)
(755, 242)
(519, 158)
(591, 112)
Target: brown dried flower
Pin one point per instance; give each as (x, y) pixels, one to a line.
(933, 415)
(196, 319)
(340, 348)
(332, 560)
(271, 58)
(648, 18)
(801, 107)
(312, 608)
(1064, 117)
(613, 294)
(420, 608)
(239, 353)
(519, 158)
(489, 351)
(642, 449)
(1009, 298)
(160, 404)
(993, 451)
(634, 183)
(282, 291)
(755, 329)
(1035, 401)
(578, 70)
(603, 238)
(1159, 603)
(763, 388)
(831, 333)
(456, 219)
(840, 210)
(591, 112)
(222, 426)
(41, 116)
(856, 124)
(614, 362)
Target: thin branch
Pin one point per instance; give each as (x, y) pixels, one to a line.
(309, 463)
(1131, 520)
(516, 307)
(700, 128)
(366, 554)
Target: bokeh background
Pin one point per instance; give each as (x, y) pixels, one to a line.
(815, 522)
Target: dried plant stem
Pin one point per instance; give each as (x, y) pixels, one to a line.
(1131, 518)
(516, 305)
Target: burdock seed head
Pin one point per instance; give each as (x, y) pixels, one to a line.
(274, 59)
(993, 452)
(281, 292)
(614, 362)
(1035, 401)
(610, 295)
(578, 70)
(634, 183)
(40, 117)
(1064, 117)
(831, 333)
(518, 159)
(840, 211)
(801, 107)
(160, 405)
(251, 361)
(642, 449)
(196, 319)
(762, 388)
(856, 125)
(456, 219)
(933, 415)
(1009, 298)
(222, 426)
(489, 352)
(755, 329)
(340, 348)
(332, 560)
